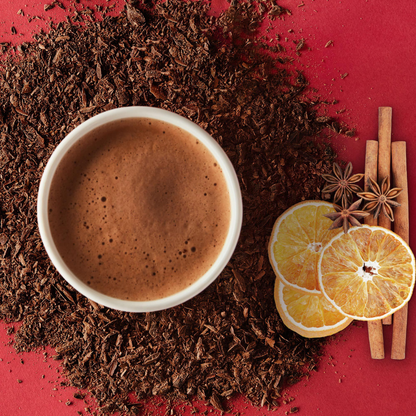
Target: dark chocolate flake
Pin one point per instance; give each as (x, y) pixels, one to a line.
(169, 56)
(135, 16)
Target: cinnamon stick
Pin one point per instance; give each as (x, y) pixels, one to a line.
(401, 227)
(375, 328)
(370, 171)
(384, 162)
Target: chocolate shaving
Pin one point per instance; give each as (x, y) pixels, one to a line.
(135, 16)
(229, 339)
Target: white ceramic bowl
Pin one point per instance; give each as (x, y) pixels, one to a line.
(235, 203)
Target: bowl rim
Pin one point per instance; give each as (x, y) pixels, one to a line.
(236, 208)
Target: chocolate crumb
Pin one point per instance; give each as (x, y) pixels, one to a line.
(177, 57)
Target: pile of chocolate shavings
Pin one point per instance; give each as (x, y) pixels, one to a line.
(229, 339)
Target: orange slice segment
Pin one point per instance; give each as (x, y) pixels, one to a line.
(296, 243)
(308, 314)
(368, 273)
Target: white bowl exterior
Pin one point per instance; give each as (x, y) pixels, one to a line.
(236, 208)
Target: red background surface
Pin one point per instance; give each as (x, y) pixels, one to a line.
(374, 42)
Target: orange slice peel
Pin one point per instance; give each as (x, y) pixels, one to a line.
(309, 314)
(368, 273)
(296, 242)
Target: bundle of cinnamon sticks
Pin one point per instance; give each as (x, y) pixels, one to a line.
(387, 158)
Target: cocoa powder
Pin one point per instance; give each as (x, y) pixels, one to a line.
(229, 339)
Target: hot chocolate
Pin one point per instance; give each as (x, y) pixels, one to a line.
(139, 209)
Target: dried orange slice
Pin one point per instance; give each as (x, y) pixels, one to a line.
(297, 239)
(308, 314)
(368, 273)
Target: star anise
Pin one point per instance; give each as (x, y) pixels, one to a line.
(344, 215)
(342, 183)
(381, 198)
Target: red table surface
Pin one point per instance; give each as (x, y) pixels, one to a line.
(374, 42)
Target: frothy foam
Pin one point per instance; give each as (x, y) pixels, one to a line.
(139, 209)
